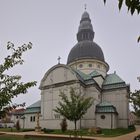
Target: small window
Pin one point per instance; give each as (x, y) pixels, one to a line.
(90, 65)
(57, 116)
(98, 66)
(31, 119)
(103, 117)
(80, 66)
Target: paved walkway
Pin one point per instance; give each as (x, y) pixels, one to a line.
(129, 136)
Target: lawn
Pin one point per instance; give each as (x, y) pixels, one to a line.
(104, 132)
(82, 132)
(14, 130)
(7, 137)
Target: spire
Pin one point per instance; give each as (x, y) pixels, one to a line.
(85, 31)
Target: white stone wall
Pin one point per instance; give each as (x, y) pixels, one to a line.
(60, 74)
(28, 122)
(50, 98)
(119, 98)
(99, 80)
(55, 124)
(109, 122)
(88, 119)
(16, 118)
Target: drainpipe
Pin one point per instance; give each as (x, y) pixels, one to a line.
(111, 121)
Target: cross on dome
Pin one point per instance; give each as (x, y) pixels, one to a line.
(85, 7)
(59, 58)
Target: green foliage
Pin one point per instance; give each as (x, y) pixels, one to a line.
(135, 100)
(85, 132)
(63, 125)
(132, 5)
(45, 130)
(74, 108)
(11, 137)
(10, 85)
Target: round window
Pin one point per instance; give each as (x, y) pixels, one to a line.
(98, 66)
(102, 116)
(90, 65)
(80, 66)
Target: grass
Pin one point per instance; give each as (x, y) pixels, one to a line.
(104, 132)
(7, 137)
(82, 132)
(116, 132)
(14, 130)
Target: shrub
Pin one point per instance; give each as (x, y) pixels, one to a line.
(132, 127)
(45, 130)
(95, 130)
(63, 125)
(26, 130)
(17, 125)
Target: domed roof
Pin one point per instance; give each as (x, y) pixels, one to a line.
(85, 50)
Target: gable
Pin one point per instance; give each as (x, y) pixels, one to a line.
(58, 74)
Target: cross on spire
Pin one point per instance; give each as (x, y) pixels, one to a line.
(85, 5)
(58, 59)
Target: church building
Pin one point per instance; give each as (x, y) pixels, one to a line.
(87, 72)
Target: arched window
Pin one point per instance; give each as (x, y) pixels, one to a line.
(31, 119)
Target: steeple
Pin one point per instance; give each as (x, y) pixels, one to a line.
(85, 31)
(86, 55)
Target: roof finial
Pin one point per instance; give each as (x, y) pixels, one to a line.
(85, 6)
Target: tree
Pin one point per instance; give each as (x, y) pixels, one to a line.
(133, 6)
(10, 85)
(75, 107)
(135, 100)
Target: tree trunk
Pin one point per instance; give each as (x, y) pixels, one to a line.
(75, 125)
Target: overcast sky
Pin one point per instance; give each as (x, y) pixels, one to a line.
(51, 25)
